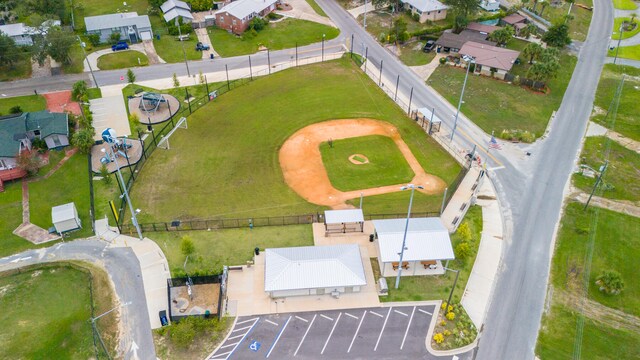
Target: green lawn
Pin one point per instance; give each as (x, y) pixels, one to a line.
(27, 103)
(100, 7)
(228, 247)
(316, 8)
(627, 122)
(76, 65)
(276, 36)
(625, 4)
(622, 173)
(46, 315)
(94, 93)
(228, 157)
(11, 218)
(419, 288)
(579, 26)
(397, 202)
(380, 22)
(21, 69)
(70, 183)
(614, 249)
(170, 49)
(617, 22)
(627, 52)
(495, 105)
(386, 166)
(122, 60)
(411, 54)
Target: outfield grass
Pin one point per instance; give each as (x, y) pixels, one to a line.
(386, 166)
(122, 60)
(614, 249)
(627, 52)
(495, 105)
(316, 8)
(411, 54)
(617, 22)
(624, 4)
(276, 36)
(227, 164)
(621, 174)
(228, 247)
(46, 315)
(419, 288)
(627, 122)
(27, 103)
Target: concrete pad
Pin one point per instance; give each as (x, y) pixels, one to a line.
(594, 129)
(110, 112)
(360, 238)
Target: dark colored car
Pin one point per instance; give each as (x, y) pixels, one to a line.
(201, 47)
(121, 45)
(429, 46)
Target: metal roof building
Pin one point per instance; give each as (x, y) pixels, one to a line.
(172, 9)
(65, 218)
(313, 270)
(344, 220)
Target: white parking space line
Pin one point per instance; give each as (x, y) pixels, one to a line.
(305, 335)
(303, 319)
(217, 356)
(228, 354)
(382, 330)
(408, 325)
(271, 322)
(245, 321)
(426, 312)
(351, 316)
(278, 337)
(222, 347)
(244, 328)
(400, 312)
(331, 333)
(235, 337)
(357, 330)
(326, 317)
(375, 313)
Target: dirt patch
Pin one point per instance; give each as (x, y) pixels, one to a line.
(304, 172)
(205, 297)
(358, 159)
(597, 312)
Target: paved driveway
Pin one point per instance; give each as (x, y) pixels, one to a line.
(365, 333)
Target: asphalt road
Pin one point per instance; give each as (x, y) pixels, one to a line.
(124, 269)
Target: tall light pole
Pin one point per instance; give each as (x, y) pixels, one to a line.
(323, 47)
(406, 229)
(618, 47)
(109, 136)
(364, 24)
(464, 85)
(182, 43)
(82, 45)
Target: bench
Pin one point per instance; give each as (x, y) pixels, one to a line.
(431, 264)
(405, 265)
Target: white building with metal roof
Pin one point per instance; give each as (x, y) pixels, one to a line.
(65, 218)
(342, 221)
(432, 10)
(131, 26)
(313, 270)
(172, 9)
(427, 245)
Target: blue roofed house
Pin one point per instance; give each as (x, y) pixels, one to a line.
(131, 26)
(18, 131)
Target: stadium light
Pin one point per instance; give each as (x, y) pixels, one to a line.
(406, 228)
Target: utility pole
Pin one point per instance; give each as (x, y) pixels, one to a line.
(618, 46)
(598, 180)
(82, 45)
(455, 281)
(455, 121)
(182, 43)
(364, 24)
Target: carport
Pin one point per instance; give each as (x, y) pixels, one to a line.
(343, 221)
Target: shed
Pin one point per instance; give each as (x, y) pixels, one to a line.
(313, 270)
(427, 244)
(348, 220)
(65, 218)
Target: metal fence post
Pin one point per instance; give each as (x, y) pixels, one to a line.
(410, 98)
(269, 60)
(226, 69)
(380, 79)
(206, 84)
(250, 69)
(351, 46)
(366, 58)
(395, 96)
(296, 54)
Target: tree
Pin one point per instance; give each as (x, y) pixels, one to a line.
(544, 4)
(503, 35)
(114, 37)
(543, 71)
(532, 52)
(399, 28)
(186, 246)
(610, 282)
(79, 90)
(83, 139)
(257, 24)
(43, 7)
(131, 77)
(557, 35)
(176, 82)
(28, 161)
(462, 9)
(535, 4)
(104, 172)
(94, 39)
(528, 30)
(9, 53)
(59, 44)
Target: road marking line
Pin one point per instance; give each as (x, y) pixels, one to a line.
(245, 321)
(426, 312)
(246, 327)
(331, 333)
(408, 326)
(326, 317)
(305, 335)
(271, 322)
(496, 168)
(455, 357)
(222, 347)
(375, 313)
(357, 330)
(303, 319)
(400, 312)
(382, 330)
(278, 337)
(351, 316)
(241, 340)
(235, 337)
(216, 356)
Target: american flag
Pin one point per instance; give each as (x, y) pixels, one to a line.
(493, 144)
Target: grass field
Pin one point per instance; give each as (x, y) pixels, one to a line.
(228, 247)
(21, 69)
(228, 158)
(621, 175)
(386, 166)
(122, 60)
(625, 4)
(397, 202)
(617, 22)
(627, 122)
(418, 288)
(579, 26)
(495, 105)
(10, 218)
(27, 103)
(627, 52)
(316, 8)
(276, 36)
(411, 54)
(170, 50)
(613, 249)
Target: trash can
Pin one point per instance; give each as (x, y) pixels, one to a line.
(157, 36)
(211, 56)
(371, 238)
(163, 318)
(256, 251)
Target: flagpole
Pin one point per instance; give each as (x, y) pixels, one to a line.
(489, 146)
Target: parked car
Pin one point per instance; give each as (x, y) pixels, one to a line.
(201, 47)
(429, 46)
(121, 45)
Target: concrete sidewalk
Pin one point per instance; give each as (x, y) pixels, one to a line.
(303, 11)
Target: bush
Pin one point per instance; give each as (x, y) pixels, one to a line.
(273, 16)
(94, 39)
(442, 60)
(463, 251)
(518, 135)
(104, 172)
(404, 36)
(28, 161)
(257, 24)
(114, 37)
(83, 139)
(182, 333)
(446, 333)
(450, 316)
(464, 231)
(186, 246)
(15, 110)
(610, 282)
(415, 17)
(152, 11)
(79, 90)
(438, 338)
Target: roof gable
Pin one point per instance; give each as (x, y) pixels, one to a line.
(110, 21)
(492, 56)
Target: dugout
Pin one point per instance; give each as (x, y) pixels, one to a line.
(343, 221)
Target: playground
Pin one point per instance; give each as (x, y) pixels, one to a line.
(125, 152)
(153, 108)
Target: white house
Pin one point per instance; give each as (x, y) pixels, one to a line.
(131, 26)
(65, 218)
(490, 5)
(237, 15)
(172, 9)
(432, 10)
(426, 246)
(313, 270)
(23, 35)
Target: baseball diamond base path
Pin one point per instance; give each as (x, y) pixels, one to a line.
(304, 172)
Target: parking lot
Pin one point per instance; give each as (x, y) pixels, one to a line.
(366, 333)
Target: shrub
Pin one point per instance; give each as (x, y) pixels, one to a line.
(186, 246)
(446, 333)
(442, 60)
(114, 37)
(382, 37)
(415, 17)
(518, 135)
(610, 282)
(83, 139)
(404, 36)
(15, 110)
(153, 11)
(104, 172)
(462, 250)
(450, 316)
(176, 82)
(94, 39)
(28, 161)
(257, 24)
(183, 333)
(438, 338)
(464, 231)
(131, 77)
(443, 323)
(78, 90)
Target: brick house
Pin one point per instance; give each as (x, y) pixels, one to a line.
(236, 16)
